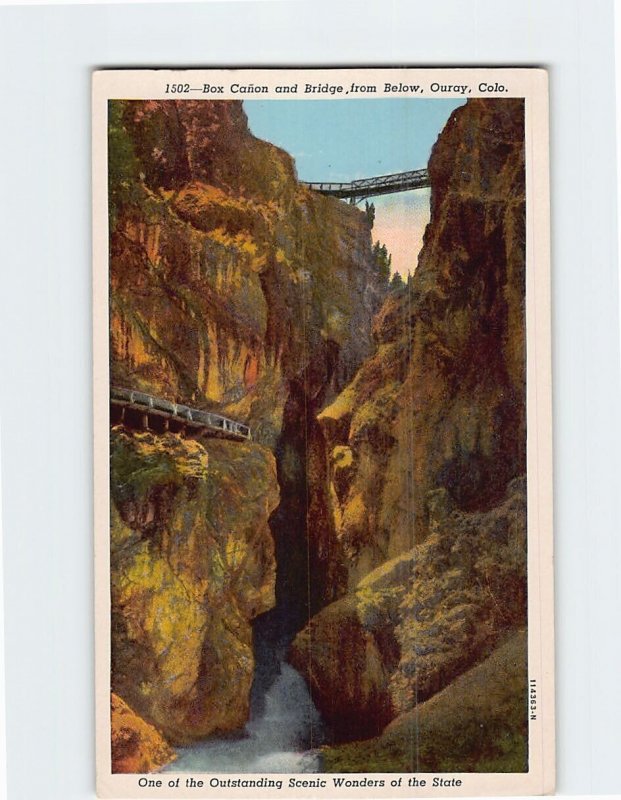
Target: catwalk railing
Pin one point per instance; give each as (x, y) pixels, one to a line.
(140, 410)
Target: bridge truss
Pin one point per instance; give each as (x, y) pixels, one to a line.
(359, 190)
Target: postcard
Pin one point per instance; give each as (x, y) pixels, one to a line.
(322, 405)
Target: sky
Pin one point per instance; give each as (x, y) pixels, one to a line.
(342, 140)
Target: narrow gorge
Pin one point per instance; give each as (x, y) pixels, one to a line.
(326, 595)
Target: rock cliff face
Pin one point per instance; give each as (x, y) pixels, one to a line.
(136, 745)
(441, 404)
(427, 445)
(192, 562)
(415, 623)
(228, 279)
(231, 288)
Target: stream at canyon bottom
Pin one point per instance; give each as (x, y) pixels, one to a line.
(276, 740)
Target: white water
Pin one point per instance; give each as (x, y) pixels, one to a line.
(278, 740)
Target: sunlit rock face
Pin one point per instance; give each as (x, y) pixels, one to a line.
(426, 448)
(192, 561)
(227, 277)
(231, 288)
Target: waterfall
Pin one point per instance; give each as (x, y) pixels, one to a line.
(275, 740)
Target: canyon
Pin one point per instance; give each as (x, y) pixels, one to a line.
(373, 532)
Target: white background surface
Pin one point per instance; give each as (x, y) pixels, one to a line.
(46, 57)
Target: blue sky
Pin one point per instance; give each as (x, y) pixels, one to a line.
(348, 139)
(340, 140)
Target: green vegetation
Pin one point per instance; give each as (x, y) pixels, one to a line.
(383, 260)
(123, 165)
(396, 284)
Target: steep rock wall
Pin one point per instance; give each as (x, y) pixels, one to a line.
(192, 564)
(427, 445)
(233, 289)
(442, 401)
(416, 622)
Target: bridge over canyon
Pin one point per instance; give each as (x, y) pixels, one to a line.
(360, 189)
